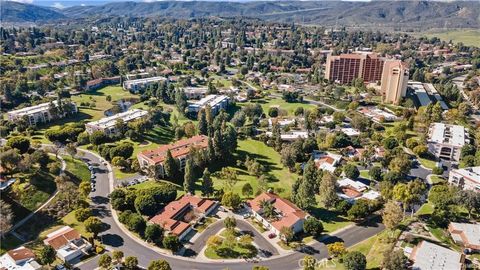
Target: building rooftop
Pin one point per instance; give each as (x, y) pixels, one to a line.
(178, 149)
(145, 80)
(470, 232)
(110, 121)
(472, 173)
(429, 256)
(33, 109)
(290, 213)
(20, 258)
(61, 237)
(170, 216)
(453, 135)
(211, 100)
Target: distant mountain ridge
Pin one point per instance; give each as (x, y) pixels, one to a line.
(414, 14)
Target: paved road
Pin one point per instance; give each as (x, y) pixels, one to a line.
(215, 228)
(115, 239)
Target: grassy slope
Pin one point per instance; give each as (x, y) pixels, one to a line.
(266, 155)
(268, 102)
(467, 37)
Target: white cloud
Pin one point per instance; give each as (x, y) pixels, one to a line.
(24, 1)
(82, 5)
(58, 5)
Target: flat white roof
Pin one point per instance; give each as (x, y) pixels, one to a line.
(471, 231)
(211, 100)
(351, 131)
(145, 80)
(472, 173)
(429, 256)
(441, 133)
(110, 121)
(359, 186)
(33, 109)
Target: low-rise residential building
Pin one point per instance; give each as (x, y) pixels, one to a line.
(351, 190)
(215, 102)
(350, 132)
(20, 258)
(139, 85)
(291, 135)
(108, 124)
(42, 113)
(179, 150)
(326, 161)
(378, 115)
(101, 82)
(287, 214)
(445, 141)
(466, 234)
(177, 216)
(68, 243)
(466, 178)
(195, 92)
(429, 256)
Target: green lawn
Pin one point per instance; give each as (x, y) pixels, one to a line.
(430, 164)
(467, 37)
(426, 209)
(281, 179)
(269, 102)
(78, 168)
(98, 97)
(331, 220)
(437, 180)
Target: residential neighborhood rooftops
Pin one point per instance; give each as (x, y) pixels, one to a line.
(20, 258)
(110, 121)
(429, 256)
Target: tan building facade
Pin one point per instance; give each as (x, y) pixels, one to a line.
(394, 81)
(345, 68)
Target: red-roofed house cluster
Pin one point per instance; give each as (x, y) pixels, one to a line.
(287, 214)
(177, 216)
(180, 150)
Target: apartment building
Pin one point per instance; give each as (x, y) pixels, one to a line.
(195, 92)
(429, 256)
(345, 68)
(139, 85)
(101, 82)
(466, 178)
(445, 141)
(215, 102)
(179, 150)
(108, 124)
(394, 81)
(42, 113)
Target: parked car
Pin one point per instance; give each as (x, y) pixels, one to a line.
(90, 167)
(272, 235)
(93, 176)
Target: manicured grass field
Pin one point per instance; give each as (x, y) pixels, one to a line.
(331, 220)
(437, 180)
(281, 178)
(290, 108)
(98, 97)
(467, 37)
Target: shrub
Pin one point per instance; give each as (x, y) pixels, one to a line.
(313, 226)
(351, 171)
(355, 261)
(171, 242)
(83, 213)
(437, 171)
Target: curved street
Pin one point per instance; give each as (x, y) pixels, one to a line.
(116, 239)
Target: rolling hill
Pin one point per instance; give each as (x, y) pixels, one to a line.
(374, 14)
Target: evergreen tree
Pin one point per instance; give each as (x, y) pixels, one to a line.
(170, 166)
(207, 184)
(328, 196)
(202, 122)
(181, 100)
(189, 177)
(210, 151)
(218, 145)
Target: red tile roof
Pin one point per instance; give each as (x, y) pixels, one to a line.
(168, 218)
(291, 214)
(62, 238)
(178, 149)
(21, 253)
